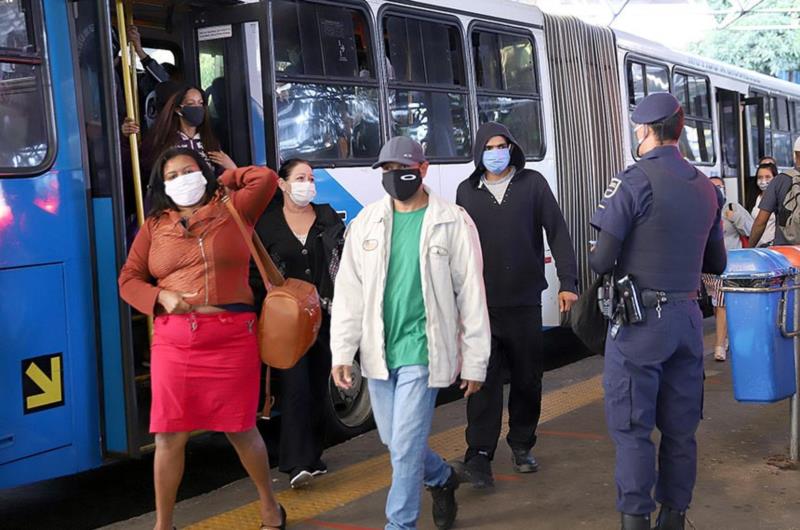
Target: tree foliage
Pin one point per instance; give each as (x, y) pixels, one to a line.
(765, 51)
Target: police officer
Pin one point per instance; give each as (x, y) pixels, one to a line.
(659, 224)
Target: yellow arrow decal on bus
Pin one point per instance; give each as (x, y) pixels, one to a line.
(48, 388)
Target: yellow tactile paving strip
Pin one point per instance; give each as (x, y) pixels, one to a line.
(359, 480)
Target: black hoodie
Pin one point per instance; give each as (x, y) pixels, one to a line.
(511, 232)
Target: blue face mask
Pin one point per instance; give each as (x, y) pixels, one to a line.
(496, 160)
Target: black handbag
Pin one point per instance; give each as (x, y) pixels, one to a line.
(586, 320)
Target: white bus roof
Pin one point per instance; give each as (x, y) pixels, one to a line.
(657, 51)
(501, 10)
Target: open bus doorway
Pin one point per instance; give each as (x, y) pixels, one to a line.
(223, 49)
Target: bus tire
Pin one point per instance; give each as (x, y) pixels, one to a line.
(348, 413)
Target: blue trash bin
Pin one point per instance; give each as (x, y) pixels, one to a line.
(762, 359)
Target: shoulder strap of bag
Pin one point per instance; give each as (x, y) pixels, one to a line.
(266, 267)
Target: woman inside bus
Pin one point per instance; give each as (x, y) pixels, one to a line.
(188, 266)
(184, 122)
(304, 239)
(767, 170)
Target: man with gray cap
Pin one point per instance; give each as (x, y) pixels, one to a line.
(659, 224)
(409, 296)
(774, 201)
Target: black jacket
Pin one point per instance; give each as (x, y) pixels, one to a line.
(315, 262)
(511, 232)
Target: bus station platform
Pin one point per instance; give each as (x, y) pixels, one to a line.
(745, 481)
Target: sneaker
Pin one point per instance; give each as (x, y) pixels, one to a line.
(319, 468)
(477, 471)
(720, 354)
(445, 507)
(300, 478)
(523, 461)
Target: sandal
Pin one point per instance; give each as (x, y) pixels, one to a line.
(281, 526)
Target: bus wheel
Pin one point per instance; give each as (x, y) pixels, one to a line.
(349, 412)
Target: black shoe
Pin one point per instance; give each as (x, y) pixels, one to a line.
(669, 519)
(523, 461)
(477, 471)
(282, 526)
(635, 522)
(445, 507)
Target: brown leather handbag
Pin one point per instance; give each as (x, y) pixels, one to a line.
(290, 315)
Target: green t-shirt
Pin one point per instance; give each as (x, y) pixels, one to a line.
(403, 307)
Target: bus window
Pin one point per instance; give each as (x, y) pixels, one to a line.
(697, 141)
(326, 87)
(781, 133)
(212, 81)
(657, 79)
(24, 127)
(794, 116)
(644, 79)
(777, 130)
(635, 83)
(16, 30)
(427, 85)
(505, 75)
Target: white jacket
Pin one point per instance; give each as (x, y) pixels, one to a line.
(451, 267)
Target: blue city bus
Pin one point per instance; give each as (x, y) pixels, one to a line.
(52, 227)
(325, 80)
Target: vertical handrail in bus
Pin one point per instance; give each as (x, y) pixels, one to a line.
(131, 111)
(132, 54)
(128, 83)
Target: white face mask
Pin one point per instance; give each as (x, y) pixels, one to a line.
(763, 184)
(302, 193)
(186, 190)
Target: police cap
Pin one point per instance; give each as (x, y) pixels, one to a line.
(655, 108)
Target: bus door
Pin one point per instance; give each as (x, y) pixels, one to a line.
(112, 225)
(226, 55)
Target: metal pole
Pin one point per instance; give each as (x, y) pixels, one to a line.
(133, 56)
(129, 108)
(794, 442)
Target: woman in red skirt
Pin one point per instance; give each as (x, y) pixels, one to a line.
(189, 267)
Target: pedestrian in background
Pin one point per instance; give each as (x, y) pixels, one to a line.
(773, 202)
(767, 171)
(736, 226)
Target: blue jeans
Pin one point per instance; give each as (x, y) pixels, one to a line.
(403, 408)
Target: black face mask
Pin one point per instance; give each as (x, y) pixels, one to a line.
(401, 184)
(194, 115)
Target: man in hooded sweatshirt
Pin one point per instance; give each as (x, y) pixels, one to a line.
(510, 206)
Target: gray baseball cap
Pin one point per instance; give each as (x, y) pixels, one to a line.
(402, 150)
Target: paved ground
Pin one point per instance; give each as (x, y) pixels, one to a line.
(742, 485)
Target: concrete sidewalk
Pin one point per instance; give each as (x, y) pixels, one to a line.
(743, 482)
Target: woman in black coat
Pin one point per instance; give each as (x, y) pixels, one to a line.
(305, 241)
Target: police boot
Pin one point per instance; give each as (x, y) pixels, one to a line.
(669, 519)
(635, 522)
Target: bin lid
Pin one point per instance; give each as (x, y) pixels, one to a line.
(792, 253)
(756, 263)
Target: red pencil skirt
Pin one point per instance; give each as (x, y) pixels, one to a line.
(204, 372)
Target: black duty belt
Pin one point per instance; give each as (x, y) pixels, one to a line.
(651, 298)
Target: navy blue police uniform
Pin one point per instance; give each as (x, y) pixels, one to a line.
(665, 214)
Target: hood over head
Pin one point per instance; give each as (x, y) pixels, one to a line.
(487, 131)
